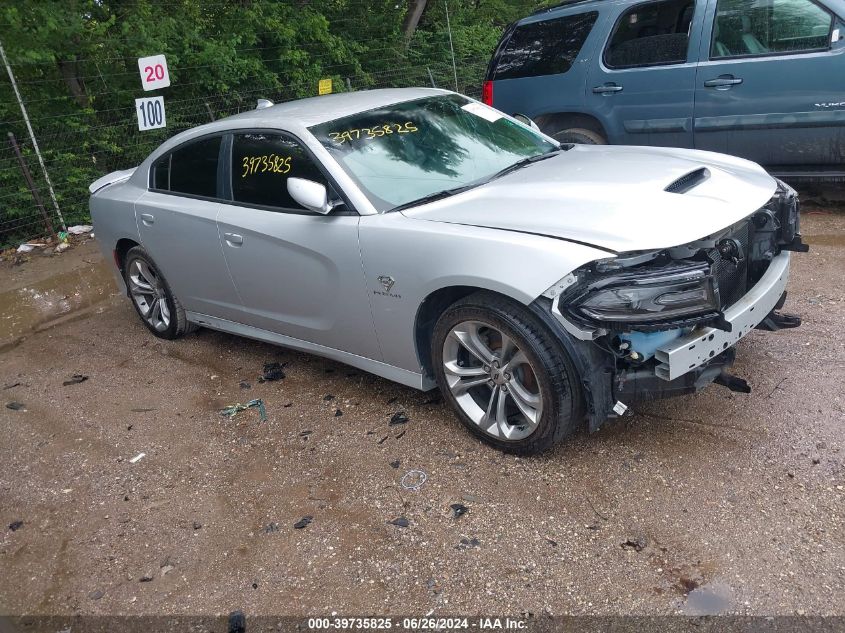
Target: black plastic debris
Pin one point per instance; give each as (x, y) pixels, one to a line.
(142, 410)
(392, 400)
(243, 384)
(271, 527)
(395, 464)
(458, 510)
(398, 418)
(237, 622)
(433, 400)
(400, 522)
(551, 542)
(75, 380)
(15, 525)
(383, 440)
(288, 405)
(197, 525)
(255, 585)
(338, 413)
(399, 435)
(11, 385)
(636, 544)
(328, 397)
(305, 433)
(16, 406)
(303, 522)
(145, 579)
(272, 371)
(468, 543)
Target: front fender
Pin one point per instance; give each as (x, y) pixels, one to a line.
(422, 257)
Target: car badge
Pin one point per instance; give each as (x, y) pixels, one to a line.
(387, 282)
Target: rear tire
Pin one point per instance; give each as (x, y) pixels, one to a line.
(505, 374)
(579, 136)
(154, 301)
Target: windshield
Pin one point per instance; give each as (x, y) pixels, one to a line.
(400, 153)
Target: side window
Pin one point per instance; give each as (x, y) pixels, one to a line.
(190, 169)
(261, 166)
(653, 34)
(545, 48)
(769, 27)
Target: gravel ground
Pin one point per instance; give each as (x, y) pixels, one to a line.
(711, 503)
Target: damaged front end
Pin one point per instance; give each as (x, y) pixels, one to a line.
(664, 323)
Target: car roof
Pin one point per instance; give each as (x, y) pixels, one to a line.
(552, 11)
(316, 110)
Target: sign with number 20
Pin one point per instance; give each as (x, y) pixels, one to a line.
(154, 73)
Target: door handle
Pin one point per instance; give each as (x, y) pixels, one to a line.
(723, 83)
(233, 239)
(147, 218)
(607, 89)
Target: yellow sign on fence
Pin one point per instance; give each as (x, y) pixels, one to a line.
(325, 87)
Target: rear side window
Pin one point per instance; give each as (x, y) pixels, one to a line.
(261, 166)
(653, 34)
(191, 169)
(769, 27)
(545, 48)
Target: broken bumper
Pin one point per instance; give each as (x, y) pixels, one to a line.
(699, 347)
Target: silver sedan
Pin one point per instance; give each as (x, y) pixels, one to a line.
(427, 238)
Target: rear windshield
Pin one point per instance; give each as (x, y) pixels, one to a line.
(549, 47)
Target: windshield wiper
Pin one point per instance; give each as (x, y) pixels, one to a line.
(437, 195)
(524, 163)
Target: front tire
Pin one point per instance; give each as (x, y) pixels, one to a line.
(152, 297)
(505, 374)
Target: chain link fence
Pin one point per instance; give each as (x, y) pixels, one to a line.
(87, 140)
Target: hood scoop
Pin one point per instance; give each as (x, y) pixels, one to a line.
(688, 181)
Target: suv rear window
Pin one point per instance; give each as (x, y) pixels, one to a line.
(651, 34)
(544, 48)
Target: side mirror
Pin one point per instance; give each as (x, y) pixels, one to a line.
(311, 195)
(527, 121)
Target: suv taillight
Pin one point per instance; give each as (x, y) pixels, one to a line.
(487, 93)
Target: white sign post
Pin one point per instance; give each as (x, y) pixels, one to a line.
(150, 111)
(154, 73)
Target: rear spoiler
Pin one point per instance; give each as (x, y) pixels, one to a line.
(110, 179)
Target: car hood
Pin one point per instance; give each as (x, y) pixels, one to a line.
(613, 197)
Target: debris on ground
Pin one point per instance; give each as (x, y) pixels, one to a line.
(303, 522)
(16, 406)
(395, 464)
(413, 479)
(137, 458)
(11, 385)
(61, 248)
(468, 543)
(232, 410)
(142, 410)
(436, 399)
(287, 405)
(328, 397)
(28, 248)
(398, 418)
(271, 527)
(636, 544)
(338, 413)
(80, 229)
(399, 436)
(458, 510)
(75, 380)
(96, 595)
(272, 371)
(197, 525)
(15, 525)
(243, 384)
(400, 522)
(145, 579)
(392, 400)
(305, 433)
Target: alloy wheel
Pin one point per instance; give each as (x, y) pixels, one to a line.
(492, 380)
(149, 295)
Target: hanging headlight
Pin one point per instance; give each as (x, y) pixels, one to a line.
(648, 296)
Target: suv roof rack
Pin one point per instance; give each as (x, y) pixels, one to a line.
(560, 5)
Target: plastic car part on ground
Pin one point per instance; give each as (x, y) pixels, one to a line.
(233, 410)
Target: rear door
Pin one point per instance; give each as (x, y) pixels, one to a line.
(177, 221)
(641, 85)
(771, 83)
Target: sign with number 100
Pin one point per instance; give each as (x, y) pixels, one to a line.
(154, 72)
(150, 111)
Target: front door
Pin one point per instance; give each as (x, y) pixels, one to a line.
(298, 273)
(642, 84)
(771, 83)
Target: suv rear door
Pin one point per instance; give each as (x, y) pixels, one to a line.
(771, 83)
(641, 85)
